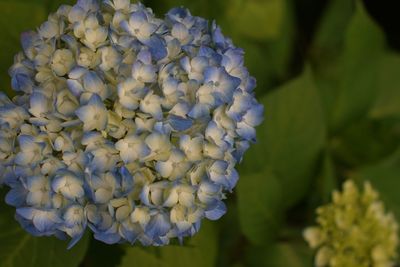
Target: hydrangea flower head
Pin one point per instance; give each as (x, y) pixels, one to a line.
(124, 123)
(354, 230)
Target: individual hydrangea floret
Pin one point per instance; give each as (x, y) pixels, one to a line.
(354, 230)
(124, 123)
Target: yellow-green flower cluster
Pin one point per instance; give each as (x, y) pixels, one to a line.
(354, 230)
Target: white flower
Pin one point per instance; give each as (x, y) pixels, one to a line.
(67, 184)
(151, 104)
(139, 26)
(93, 114)
(39, 191)
(180, 194)
(125, 124)
(31, 151)
(159, 145)
(141, 215)
(130, 92)
(110, 58)
(62, 61)
(132, 148)
(175, 167)
(87, 58)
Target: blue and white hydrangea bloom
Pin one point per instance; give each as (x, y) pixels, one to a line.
(124, 123)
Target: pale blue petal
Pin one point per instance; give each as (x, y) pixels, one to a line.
(157, 46)
(75, 87)
(26, 213)
(179, 123)
(75, 240)
(93, 83)
(199, 111)
(26, 142)
(158, 226)
(16, 196)
(215, 212)
(22, 82)
(254, 116)
(108, 238)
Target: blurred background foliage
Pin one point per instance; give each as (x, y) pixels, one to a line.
(328, 73)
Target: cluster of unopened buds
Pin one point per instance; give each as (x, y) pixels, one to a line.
(124, 123)
(354, 230)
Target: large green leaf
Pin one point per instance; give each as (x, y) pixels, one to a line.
(255, 19)
(365, 142)
(18, 248)
(293, 254)
(327, 47)
(290, 138)
(260, 198)
(385, 178)
(16, 17)
(200, 251)
(210, 9)
(359, 67)
(102, 254)
(326, 181)
(387, 103)
(330, 35)
(347, 64)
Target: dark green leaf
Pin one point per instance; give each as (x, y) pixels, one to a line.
(255, 19)
(291, 136)
(16, 17)
(387, 103)
(385, 178)
(346, 62)
(18, 248)
(200, 251)
(357, 70)
(366, 142)
(283, 254)
(260, 206)
(327, 178)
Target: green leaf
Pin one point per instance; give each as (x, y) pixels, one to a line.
(255, 19)
(386, 180)
(387, 103)
(379, 139)
(280, 49)
(327, 46)
(260, 198)
(200, 251)
(330, 35)
(53, 5)
(290, 138)
(231, 237)
(326, 181)
(102, 254)
(293, 254)
(363, 48)
(18, 248)
(16, 17)
(354, 86)
(210, 9)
